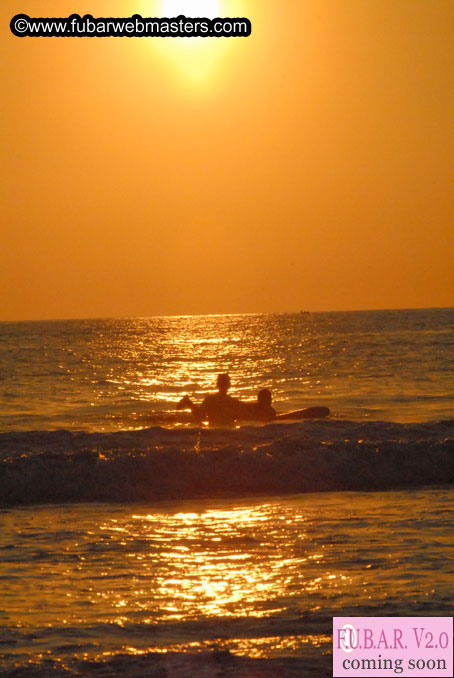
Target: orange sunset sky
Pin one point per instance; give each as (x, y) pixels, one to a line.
(306, 167)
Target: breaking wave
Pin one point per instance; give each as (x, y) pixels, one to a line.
(162, 463)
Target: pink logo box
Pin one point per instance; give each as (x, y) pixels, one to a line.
(392, 646)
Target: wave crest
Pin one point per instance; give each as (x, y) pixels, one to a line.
(157, 463)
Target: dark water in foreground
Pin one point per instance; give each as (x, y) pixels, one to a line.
(261, 578)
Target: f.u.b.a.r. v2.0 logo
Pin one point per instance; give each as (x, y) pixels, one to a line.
(389, 646)
(351, 638)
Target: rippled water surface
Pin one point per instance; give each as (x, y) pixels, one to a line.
(262, 578)
(112, 374)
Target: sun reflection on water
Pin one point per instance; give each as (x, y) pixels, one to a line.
(256, 577)
(256, 648)
(227, 562)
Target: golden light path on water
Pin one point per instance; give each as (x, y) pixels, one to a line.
(257, 577)
(162, 359)
(220, 562)
(130, 374)
(217, 579)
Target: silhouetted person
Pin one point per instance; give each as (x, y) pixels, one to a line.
(220, 409)
(261, 410)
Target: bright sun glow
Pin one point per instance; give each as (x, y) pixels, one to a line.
(195, 59)
(195, 8)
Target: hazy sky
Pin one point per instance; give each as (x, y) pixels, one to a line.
(309, 166)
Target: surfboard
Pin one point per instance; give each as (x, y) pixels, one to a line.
(308, 413)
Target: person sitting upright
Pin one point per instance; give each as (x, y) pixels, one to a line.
(219, 408)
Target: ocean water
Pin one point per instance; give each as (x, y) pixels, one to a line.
(133, 544)
(107, 375)
(261, 579)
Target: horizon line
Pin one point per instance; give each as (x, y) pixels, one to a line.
(219, 315)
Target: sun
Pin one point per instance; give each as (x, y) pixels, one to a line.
(195, 59)
(190, 8)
